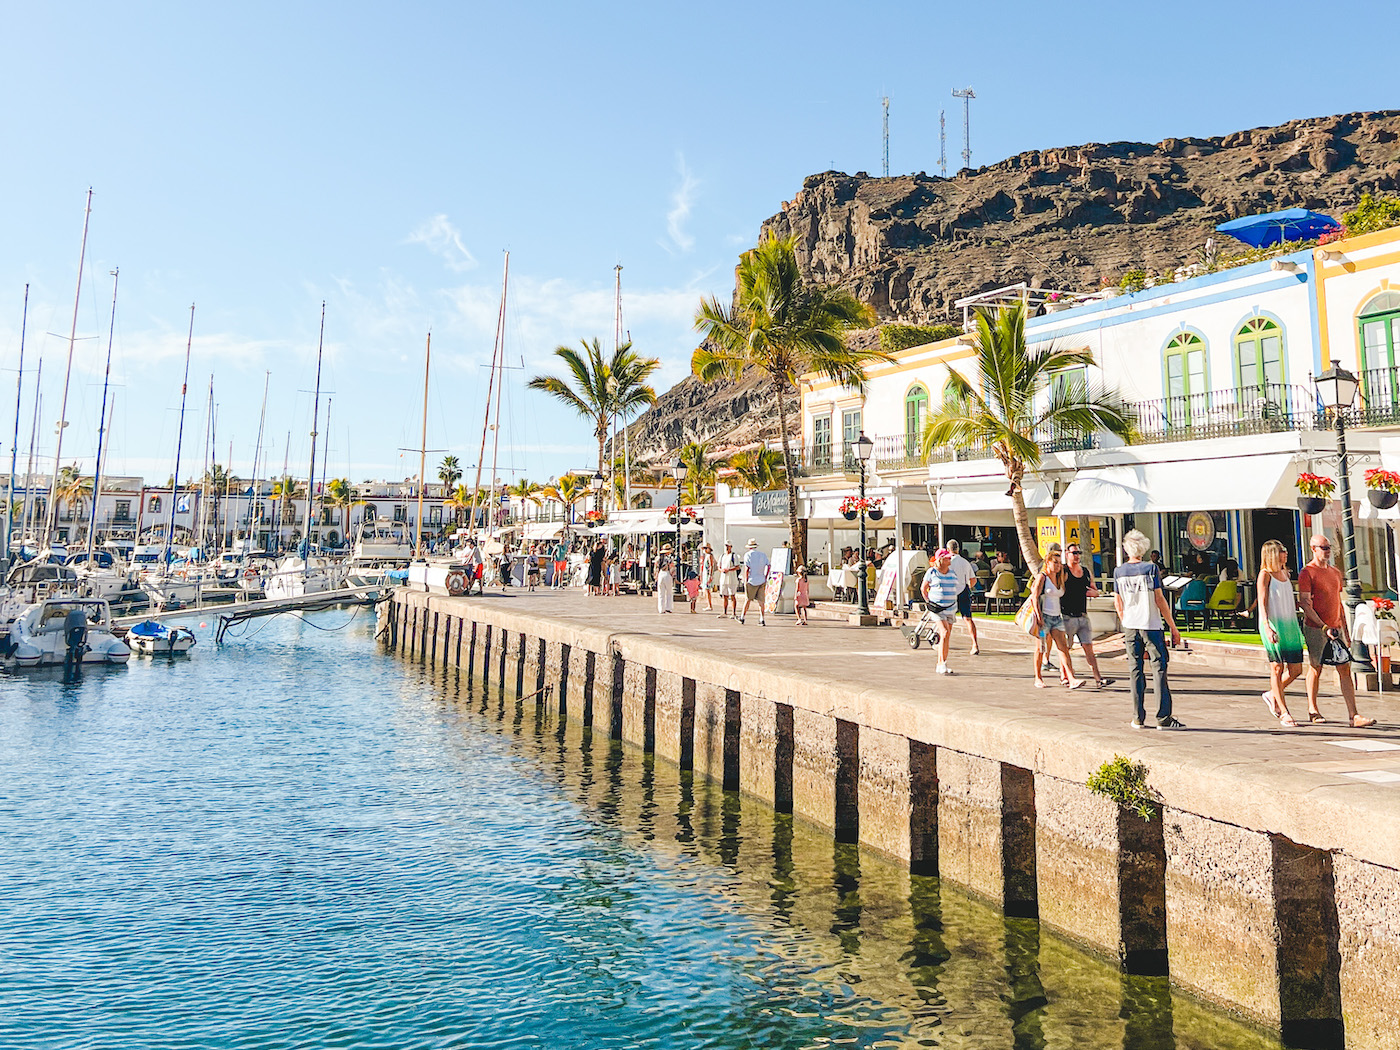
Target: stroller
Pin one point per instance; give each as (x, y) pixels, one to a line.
(929, 627)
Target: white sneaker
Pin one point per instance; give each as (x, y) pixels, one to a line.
(943, 669)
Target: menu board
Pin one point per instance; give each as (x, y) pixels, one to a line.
(773, 591)
(889, 578)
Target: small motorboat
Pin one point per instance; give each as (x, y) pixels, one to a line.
(67, 631)
(153, 638)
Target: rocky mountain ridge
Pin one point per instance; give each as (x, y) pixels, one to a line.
(1064, 218)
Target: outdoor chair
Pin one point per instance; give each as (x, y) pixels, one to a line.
(1223, 602)
(1193, 600)
(1003, 589)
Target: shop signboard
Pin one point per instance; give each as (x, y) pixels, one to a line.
(770, 503)
(889, 576)
(1048, 532)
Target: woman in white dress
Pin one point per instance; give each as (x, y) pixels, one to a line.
(709, 569)
(665, 583)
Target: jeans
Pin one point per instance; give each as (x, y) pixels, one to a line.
(1153, 645)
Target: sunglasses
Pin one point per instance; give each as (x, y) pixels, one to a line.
(1075, 551)
(1322, 546)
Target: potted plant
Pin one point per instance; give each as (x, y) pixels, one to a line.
(594, 517)
(1057, 301)
(1383, 488)
(1385, 611)
(851, 507)
(875, 508)
(1314, 491)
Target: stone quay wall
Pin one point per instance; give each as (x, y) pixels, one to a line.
(1250, 886)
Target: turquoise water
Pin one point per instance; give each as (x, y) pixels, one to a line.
(295, 840)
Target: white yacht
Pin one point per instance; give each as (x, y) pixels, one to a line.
(295, 577)
(65, 631)
(382, 541)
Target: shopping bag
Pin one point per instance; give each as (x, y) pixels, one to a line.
(1335, 653)
(1025, 617)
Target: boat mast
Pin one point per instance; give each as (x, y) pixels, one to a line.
(315, 421)
(286, 497)
(179, 441)
(253, 496)
(626, 448)
(33, 437)
(423, 448)
(102, 423)
(490, 386)
(52, 517)
(14, 449)
(326, 453)
(500, 387)
(204, 481)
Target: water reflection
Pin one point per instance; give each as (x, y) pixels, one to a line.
(883, 958)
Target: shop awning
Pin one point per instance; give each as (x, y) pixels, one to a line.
(543, 530)
(1229, 483)
(987, 498)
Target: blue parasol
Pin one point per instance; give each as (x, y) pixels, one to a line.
(1291, 224)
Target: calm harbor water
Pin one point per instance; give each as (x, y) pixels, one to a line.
(295, 840)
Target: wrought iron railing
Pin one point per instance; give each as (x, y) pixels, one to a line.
(1265, 409)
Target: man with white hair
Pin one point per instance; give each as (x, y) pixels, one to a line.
(755, 578)
(1142, 609)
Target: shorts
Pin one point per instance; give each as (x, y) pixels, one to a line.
(1316, 639)
(754, 591)
(1078, 627)
(965, 603)
(1050, 623)
(728, 584)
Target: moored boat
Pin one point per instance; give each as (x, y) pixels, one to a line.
(153, 638)
(65, 631)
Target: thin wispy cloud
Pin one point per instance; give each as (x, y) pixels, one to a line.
(444, 240)
(682, 200)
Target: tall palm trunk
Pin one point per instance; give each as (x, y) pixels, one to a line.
(1030, 550)
(797, 533)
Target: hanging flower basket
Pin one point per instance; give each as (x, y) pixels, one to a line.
(1383, 488)
(850, 515)
(1314, 490)
(876, 514)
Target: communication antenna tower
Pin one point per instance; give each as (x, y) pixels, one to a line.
(967, 95)
(943, 143)
(886, 103)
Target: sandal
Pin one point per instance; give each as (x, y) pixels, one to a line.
(1315, 717)
(1360, 722)
(1287, 721)
(1076, 684)
(1269, 703)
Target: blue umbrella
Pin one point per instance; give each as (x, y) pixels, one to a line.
(1291, 224)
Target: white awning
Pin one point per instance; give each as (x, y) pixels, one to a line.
(1229, 483)
(985, 503)
(543, 530)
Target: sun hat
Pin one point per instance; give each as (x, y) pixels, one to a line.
(751, 544)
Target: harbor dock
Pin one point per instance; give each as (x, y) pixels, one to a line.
(1267, 878)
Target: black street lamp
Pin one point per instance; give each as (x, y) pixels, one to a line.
(865, 452)
(597, 485)
(1336, 389)
(678, 468)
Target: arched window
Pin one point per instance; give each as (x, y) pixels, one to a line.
(1259, 364)
(153, 505)
(1184, 368)
(1379, 329)
(915, 413)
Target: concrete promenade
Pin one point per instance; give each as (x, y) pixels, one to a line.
(1269, 880)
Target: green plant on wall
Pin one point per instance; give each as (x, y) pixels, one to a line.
(1133, 280)
(1372, 214)
(896, 337)
(1124, 781)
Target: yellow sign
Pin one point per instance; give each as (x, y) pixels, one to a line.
(1048, 532)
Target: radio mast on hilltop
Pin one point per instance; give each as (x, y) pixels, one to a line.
(967, 95)
(943, 143)
(886, 104)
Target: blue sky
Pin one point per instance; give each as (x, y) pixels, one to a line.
(256, 159)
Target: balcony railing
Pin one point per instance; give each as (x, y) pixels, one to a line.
(1267, 409)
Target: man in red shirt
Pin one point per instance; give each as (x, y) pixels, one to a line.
(1320, 596)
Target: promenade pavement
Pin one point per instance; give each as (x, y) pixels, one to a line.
(1225, 715)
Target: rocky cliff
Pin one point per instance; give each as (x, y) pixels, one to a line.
(1063, 218)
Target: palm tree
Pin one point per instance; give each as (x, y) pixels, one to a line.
(459, 501)
(600, 386)
(71, 488)
(700, 474)
(570, 489)
(782, 328)
(284, 489)
(759, 469)
(340, 493)
(526, 491)
(449, 472)
(1013, 403)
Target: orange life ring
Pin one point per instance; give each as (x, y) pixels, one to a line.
(456, 582)
(250, 574)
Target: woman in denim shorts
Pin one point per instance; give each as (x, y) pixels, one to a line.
(1046, 591)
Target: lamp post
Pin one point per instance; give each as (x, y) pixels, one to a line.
(1336, 389)
(865, 452)
(596, 483)
(678, 469)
